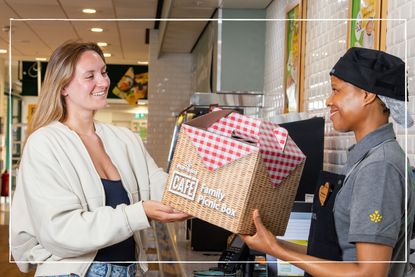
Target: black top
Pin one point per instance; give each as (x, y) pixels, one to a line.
(115, 194)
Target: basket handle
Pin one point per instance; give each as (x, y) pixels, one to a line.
(245, 137)
(205, 121)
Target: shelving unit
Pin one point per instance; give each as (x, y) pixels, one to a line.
(16, 128)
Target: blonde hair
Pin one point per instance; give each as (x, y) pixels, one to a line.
(59, 73)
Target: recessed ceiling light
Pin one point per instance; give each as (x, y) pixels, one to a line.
(41, 59)
(97, 30)
(102, 44)
(3, 51)
(142, 62)
(89, 11)
(107, 55)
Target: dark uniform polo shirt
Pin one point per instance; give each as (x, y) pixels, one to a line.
(371, 205)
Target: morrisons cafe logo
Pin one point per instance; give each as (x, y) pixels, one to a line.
(183, 185)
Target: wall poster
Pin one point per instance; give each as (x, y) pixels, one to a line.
(132, 87)
(295, 30)
(364, 30)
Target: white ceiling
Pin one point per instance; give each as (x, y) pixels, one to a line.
(31, 39)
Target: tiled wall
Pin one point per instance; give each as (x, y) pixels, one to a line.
(396, 44)
(274, 60)
(170, 81)
(169, 93)
(325, 43)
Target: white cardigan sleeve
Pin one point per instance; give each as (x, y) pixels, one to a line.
(24, 246)
(157, 177)
(61, 222)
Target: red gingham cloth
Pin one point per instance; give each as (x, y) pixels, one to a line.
(245, 125)
(279, 152)
(216, 147)
(216, 150)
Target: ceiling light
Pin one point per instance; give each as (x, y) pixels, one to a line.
(102, 44)
(89, 11)
(41, 59)
(142, 62)
(97, 30)
(107, 55)
(3, 51)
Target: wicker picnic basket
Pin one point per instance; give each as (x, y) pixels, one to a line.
(244, 184)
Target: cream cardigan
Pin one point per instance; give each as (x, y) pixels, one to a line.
(58, 210)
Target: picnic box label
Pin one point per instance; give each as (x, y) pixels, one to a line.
(185, 185)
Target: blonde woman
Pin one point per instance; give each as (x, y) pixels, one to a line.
(84, 189)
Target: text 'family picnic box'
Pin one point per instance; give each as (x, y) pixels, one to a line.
(226, 164)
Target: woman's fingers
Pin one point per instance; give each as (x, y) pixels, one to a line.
(178, 216)
(163, 213)
(171, 217)
(164, 208)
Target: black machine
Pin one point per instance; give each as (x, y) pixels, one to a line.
(237, 251)
(309, 136)
(202, 230)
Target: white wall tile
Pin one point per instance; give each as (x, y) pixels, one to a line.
(331, 37)
(169, 93)
(404, 10)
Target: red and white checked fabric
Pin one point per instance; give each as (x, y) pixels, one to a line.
(281, 136)
(245, 125)
(278, 151)
(216, 150)
(216, 147)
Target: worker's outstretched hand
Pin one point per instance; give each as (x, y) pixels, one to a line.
(263, 241)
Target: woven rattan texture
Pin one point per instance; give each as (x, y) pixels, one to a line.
(245, 184)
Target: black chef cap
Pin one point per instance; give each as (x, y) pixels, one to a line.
(374, 71)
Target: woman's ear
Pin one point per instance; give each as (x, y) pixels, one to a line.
(369, 98)
(64, 93)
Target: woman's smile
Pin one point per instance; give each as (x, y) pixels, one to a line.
(98, 93)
